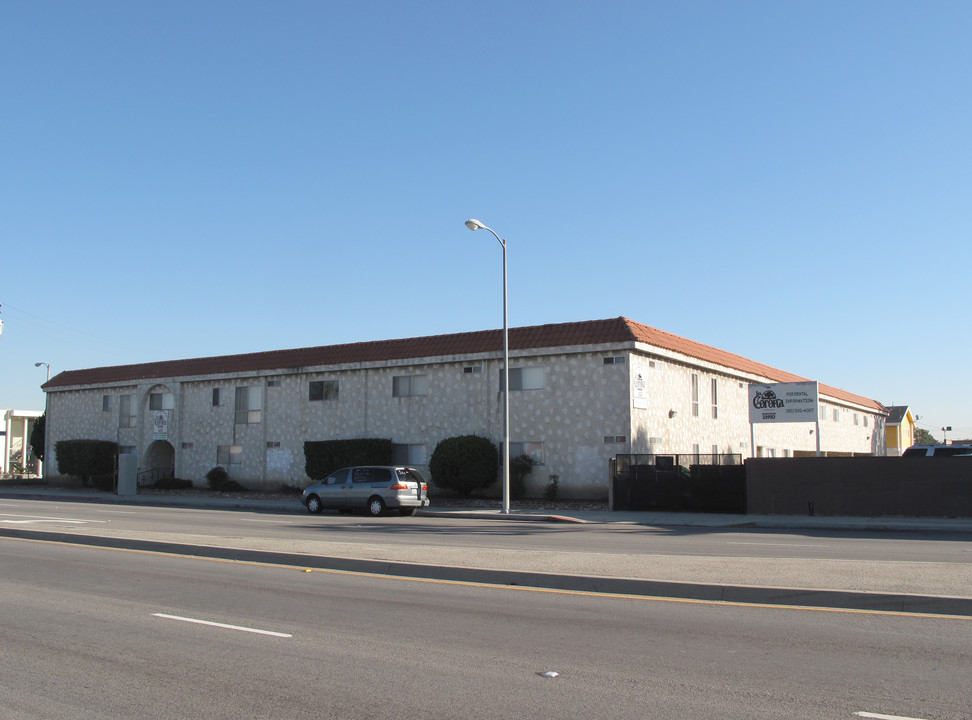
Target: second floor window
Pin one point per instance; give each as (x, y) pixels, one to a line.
(323, 390)
(524, 378)
(249, 403)
(410, 385)
(695, 395)
(126, 411)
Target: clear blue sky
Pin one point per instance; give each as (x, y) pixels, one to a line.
(789, 181)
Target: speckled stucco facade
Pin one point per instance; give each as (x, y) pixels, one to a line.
(587, 410)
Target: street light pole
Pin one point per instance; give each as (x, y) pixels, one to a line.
(48, 368)
(476, 225)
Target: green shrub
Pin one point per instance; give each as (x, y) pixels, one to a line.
(86, 459)
(550, 492)
(216, 477)
(231, 486)
(520, 467)
(464, 463)
(172, 484)
(322, 457)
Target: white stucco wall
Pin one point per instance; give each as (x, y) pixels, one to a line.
(586, 413)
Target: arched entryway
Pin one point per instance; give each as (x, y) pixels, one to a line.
(158, 462)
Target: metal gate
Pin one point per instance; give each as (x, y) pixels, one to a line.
(682, 483)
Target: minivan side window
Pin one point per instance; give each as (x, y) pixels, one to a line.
(338, 478)
(362, 475)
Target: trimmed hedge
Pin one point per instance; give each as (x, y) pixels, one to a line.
(86, 459)
(322, 457)
(464, 463)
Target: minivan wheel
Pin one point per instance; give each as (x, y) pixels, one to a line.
(314, 504)
(376, 506)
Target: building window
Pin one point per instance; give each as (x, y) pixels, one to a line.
(524, 378)
(836, 415)
(614, 360)
(187, 446)
(106, 403)
(249, 403)
(273, 383)
(857, 419)
(272, 444)
(410, 385)
(229, 454)
(408, 453)
(472, 369)
(533, 450)
(161, 401)
(126, 411)
(865, 421)
(216, 400)
(610, 439)
(715, 398)
(126, 449)
(695, 395)
(322, 390)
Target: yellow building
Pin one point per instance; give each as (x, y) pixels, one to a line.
(900, 429)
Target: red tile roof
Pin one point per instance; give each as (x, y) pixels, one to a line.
(593, 332)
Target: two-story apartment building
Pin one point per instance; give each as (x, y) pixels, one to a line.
(580, 393)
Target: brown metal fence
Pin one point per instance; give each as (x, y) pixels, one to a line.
(690, 482)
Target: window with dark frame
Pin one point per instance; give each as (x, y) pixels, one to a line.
(322, 390)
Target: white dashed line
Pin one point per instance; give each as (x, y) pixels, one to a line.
(222, 625)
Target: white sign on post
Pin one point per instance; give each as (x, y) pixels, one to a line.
(783, 402)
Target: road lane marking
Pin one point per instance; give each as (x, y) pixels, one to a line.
(878, 716)
(759, 544)
(43, 518)
(197, 621)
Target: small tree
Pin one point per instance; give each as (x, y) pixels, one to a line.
(37, 436)
(86, 458)
(464, 463)
(923, 437)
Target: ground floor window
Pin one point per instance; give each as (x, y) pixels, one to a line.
(229, 454)
(408, 454)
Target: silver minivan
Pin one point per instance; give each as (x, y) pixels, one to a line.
(371, 488)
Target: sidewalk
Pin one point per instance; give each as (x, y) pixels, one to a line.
(647, 518)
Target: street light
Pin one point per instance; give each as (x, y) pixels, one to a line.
(48, 368)
(476, 225)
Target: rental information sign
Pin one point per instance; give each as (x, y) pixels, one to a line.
(783, 402)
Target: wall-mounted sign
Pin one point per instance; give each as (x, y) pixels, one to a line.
(783, 402)
(639, 391)
(160, 425)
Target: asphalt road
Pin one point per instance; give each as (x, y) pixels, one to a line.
(108, 633)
